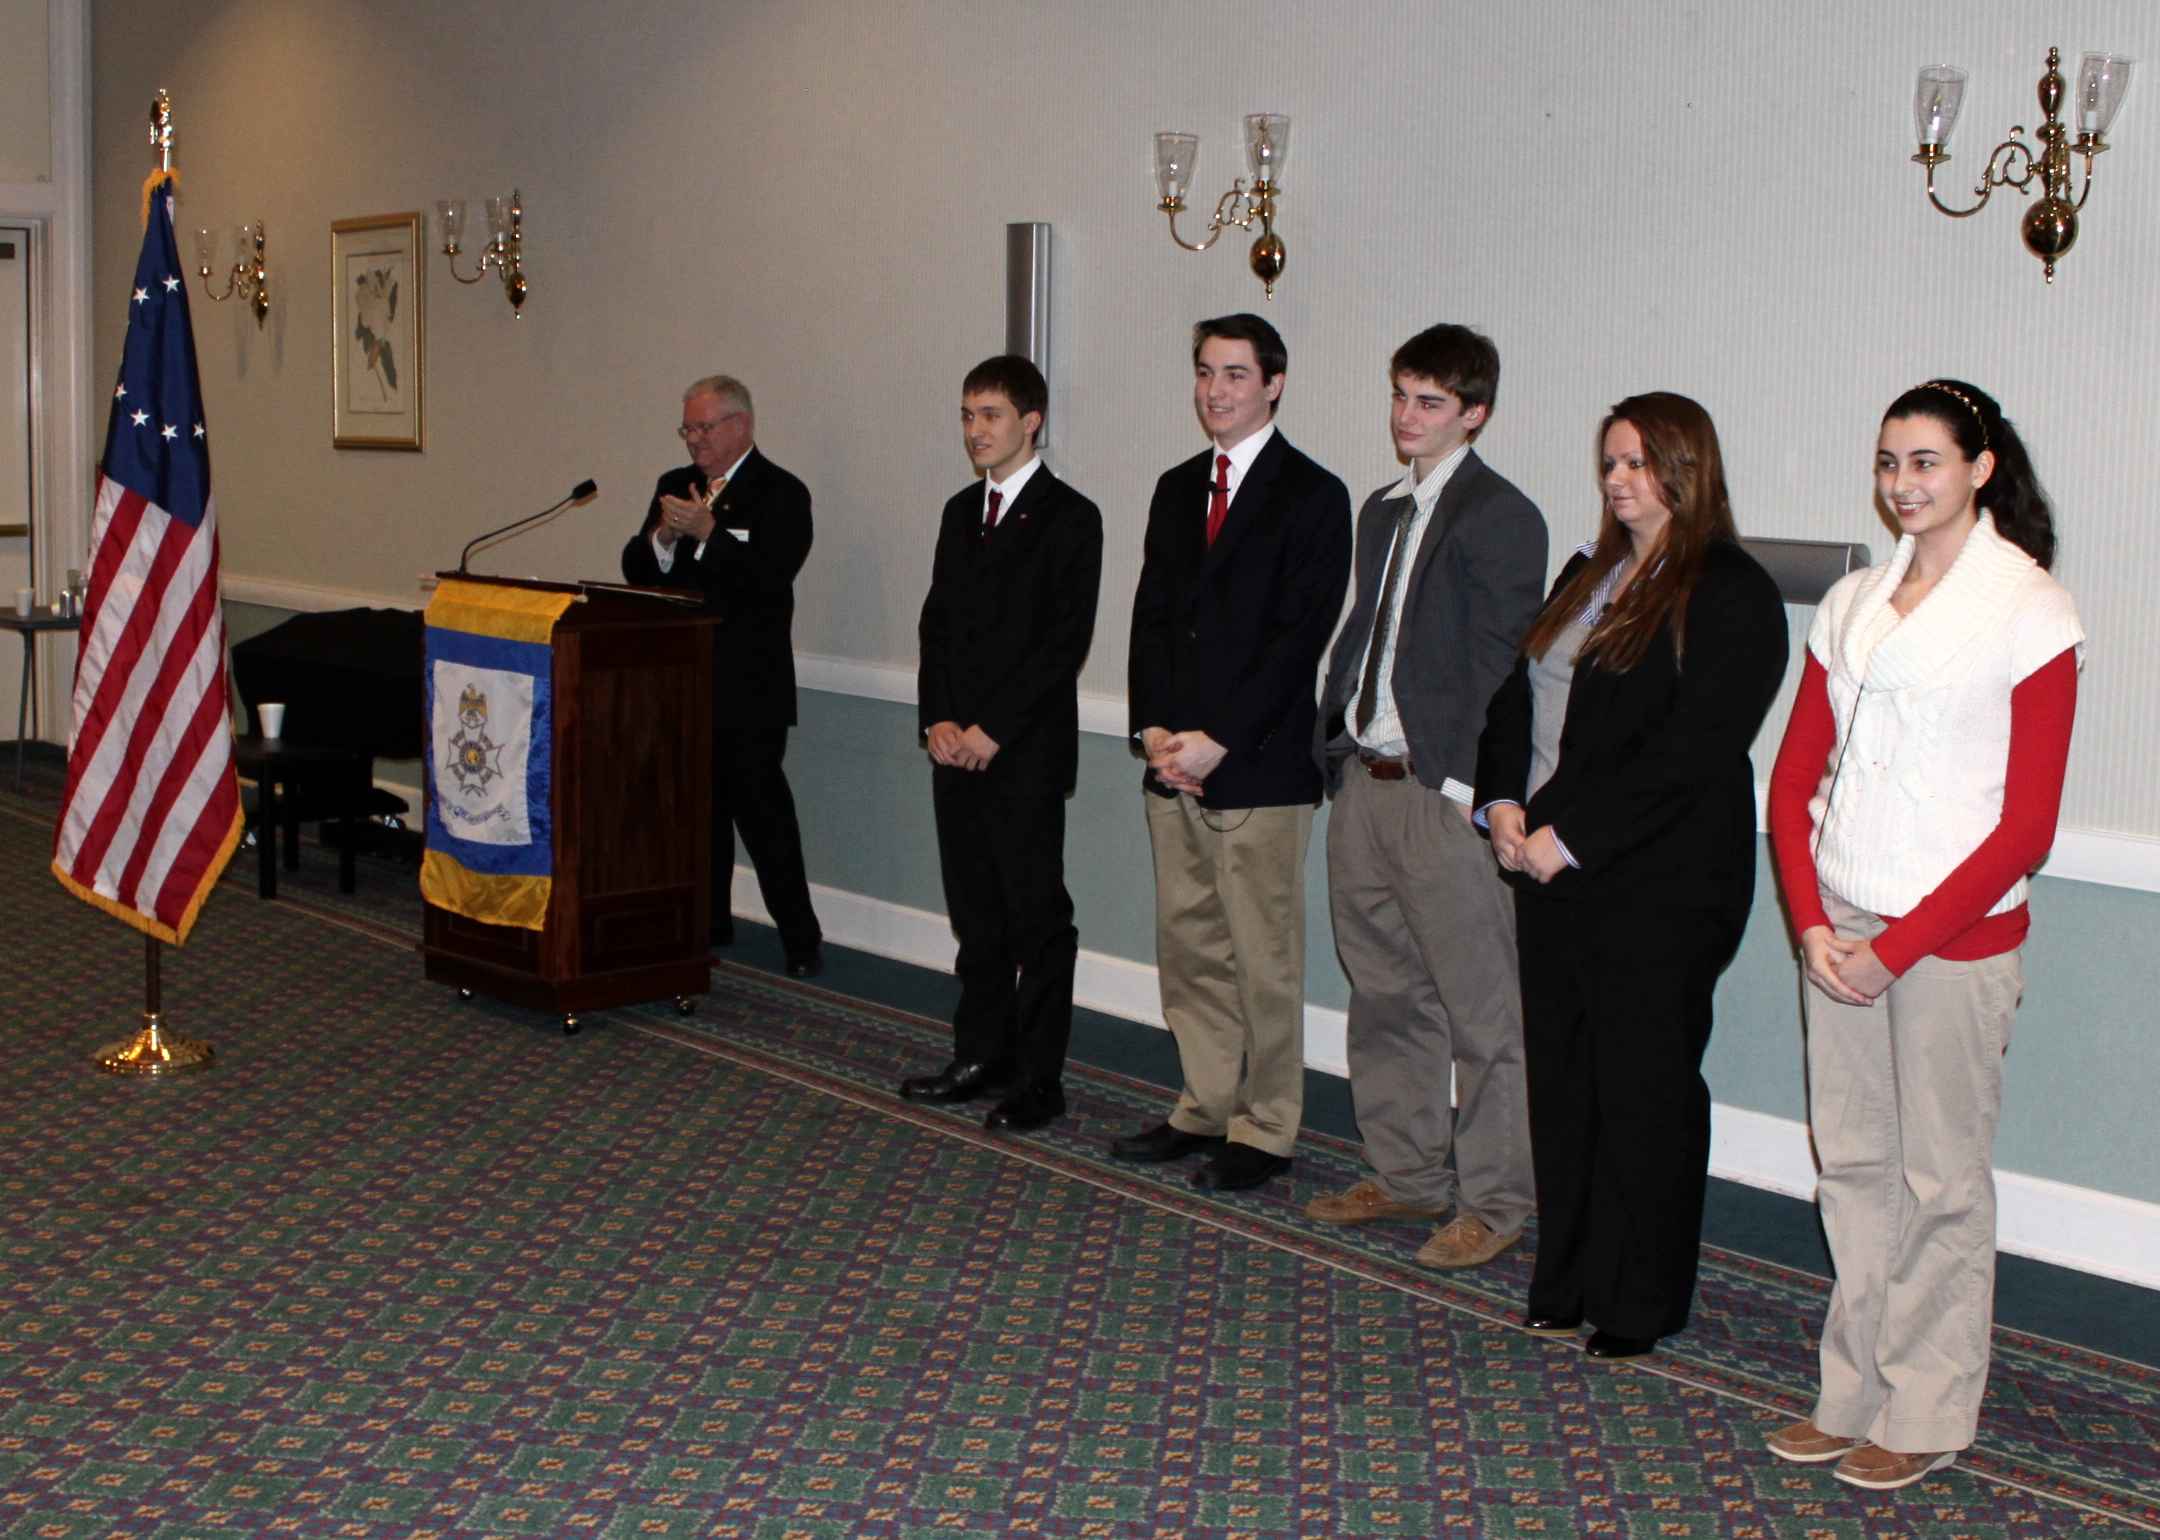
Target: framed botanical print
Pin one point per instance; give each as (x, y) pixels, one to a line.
(378, 332)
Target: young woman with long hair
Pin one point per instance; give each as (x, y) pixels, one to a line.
(1917, 787)
(1613, 773)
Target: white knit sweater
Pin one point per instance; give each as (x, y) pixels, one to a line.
(1922, 704)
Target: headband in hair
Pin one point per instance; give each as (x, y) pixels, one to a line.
(1967, 402)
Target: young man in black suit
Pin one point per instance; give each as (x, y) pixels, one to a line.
(1247, 554)
(737, 527)
(1005, 628)
(1450, 571)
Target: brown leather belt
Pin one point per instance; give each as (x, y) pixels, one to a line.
(1384, 769)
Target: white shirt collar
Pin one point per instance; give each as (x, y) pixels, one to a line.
(1427, 492)
(1010, 486)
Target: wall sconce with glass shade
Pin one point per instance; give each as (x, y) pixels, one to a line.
(1267, 147)
(505, 250)
(2050, 227)
(248, 279)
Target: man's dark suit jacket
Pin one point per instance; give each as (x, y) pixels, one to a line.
(750, 583)
(1475, 585)
(1654, 794)
(1228, 638)
(1006, 626)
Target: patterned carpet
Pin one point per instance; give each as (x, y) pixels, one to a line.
(398, 1266)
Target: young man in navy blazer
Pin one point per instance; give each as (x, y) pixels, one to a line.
(1450, 573)
(1247, 554)
(1005, 628)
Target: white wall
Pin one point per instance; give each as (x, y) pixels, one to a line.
(1714, 199)
(26, 138)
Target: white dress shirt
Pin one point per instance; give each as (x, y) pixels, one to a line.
(1241, 456)
(1009, 487)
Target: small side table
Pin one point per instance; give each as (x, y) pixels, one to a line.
(285, 773)
(30, 627)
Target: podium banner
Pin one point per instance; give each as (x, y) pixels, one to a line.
(488, 687)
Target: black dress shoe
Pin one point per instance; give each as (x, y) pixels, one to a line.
(1605, 1344)
(960, 1081)
(1552, 1325)
(1235, 1167)
(1026, 1108)
(808, 964)
(1161, 1142)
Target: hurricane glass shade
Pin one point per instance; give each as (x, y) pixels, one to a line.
(1936, 99)
(450, 214)
(244, 245)
(1174, 156)
(2103, 78)
(1267, 145)
(202, 246)
(498, 212)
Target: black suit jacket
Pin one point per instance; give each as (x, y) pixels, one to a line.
(1475, 583)
(750, 583)
(1228, 638)
(1654, 793)
(1006, 626)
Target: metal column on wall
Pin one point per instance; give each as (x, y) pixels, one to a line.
(1027, 298)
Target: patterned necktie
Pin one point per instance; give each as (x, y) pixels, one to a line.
(712, 493)
(1383, 625)
(1218, 507)
(990, 512)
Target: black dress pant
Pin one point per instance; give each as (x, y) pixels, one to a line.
(1616, 1016)
(1001, 846)
(750, 794)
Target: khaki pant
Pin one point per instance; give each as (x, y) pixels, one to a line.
(1426, 932)
(1903, 1099)
(1230, 954)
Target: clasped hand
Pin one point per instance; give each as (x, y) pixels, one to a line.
(1182, 761)
(1518, 850)
(1843, 967)
(967, 748)
(680, 516)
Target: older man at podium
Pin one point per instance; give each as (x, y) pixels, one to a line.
(736, 527)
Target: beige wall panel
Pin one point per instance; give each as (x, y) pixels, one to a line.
(1711, 199)
(25, 92)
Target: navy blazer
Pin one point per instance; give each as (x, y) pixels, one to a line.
(1007, 623)
(1228, 638)
(749, 583)
(1475, 583)
(1654, 794)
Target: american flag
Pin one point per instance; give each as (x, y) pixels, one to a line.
(152, 811)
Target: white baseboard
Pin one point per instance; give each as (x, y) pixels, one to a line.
(2075, 1227)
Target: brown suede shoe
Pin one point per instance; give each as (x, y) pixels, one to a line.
(1464, 1241)
(1885, 1470)
(1361, 1205)
(1805, 1444)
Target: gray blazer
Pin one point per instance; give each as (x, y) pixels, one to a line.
(1476, 582)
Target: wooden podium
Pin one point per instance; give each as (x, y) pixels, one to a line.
(629, 908)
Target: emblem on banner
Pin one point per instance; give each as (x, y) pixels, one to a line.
(475, 758)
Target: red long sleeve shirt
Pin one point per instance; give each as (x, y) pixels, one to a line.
(1952, 922)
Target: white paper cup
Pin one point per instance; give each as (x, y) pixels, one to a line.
(272, 716)
(25, 600)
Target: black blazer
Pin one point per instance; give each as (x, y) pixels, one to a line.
(1654, 793)
(1476, 579)
(1228, 638)
(749, 582)
(1006, 626)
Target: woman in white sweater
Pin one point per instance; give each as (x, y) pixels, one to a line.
(1917, 787)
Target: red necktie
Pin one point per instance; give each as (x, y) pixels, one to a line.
(990, 513)
(1218, 507)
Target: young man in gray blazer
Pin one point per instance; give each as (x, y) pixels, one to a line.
(1450, 570)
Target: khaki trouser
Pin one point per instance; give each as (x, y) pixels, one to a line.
(1230, 954)
(1904, 1096)
(1426, 932)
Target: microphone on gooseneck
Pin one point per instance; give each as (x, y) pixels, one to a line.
(580, 493)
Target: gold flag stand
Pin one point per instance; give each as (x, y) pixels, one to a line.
(152, 1051)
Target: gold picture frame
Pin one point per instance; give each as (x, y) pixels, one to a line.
(378, 333)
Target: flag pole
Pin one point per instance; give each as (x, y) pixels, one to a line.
(151, 1051)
